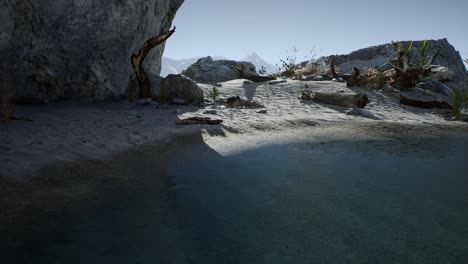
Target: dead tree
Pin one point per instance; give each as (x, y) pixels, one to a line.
(332, 67)
(139, 58)
(406, 75)
(354, 80)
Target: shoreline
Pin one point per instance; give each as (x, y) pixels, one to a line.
(74, 153)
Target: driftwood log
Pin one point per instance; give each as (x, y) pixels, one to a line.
(139, 58)
(348, 99)
(199, 120)
(254, 77)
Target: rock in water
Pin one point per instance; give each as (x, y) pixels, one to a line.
(181, 87)
(79, 49)
(207, 70)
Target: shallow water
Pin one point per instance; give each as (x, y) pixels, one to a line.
(376, 201)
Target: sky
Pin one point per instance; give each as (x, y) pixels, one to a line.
(236, 28)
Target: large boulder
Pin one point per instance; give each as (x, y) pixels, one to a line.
(425, 98)
(181, 87)
(453, 73)
(62, 49)
(207, 70)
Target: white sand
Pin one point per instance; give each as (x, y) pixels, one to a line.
(75, 131)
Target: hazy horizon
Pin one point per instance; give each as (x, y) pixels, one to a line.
(235, 29)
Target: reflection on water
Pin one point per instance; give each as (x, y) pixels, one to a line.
(390, 201)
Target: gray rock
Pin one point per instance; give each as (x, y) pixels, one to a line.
(436, 87)
(262, 112)
(61, 49)
(318, 78)
(144, 101)
(339, 79)
(440, 74)
(179, 86)
(361, 112)
(207, 70)
(178, 101)
(378, 56)
(421, 98)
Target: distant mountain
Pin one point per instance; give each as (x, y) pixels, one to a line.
(258, 61)
(171, 66)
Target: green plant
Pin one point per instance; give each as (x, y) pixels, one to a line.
(408, 53)
(422, 51)
(262, 71)
(456, 103)
(214, 94)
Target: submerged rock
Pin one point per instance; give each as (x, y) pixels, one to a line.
(60, 49)
(207, 70)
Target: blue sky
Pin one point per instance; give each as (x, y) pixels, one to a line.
(236, 28)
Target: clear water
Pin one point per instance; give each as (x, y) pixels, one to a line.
(389, 201)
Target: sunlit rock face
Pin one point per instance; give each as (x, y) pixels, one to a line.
(378, 57)
(70, 49)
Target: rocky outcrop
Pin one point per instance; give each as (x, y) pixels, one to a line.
(62, 49)
(176, 87)
(207, 70)
(425, 98)
(378, 57)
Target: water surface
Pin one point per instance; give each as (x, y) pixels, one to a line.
(374, 201)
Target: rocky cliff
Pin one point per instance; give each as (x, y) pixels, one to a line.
(68, 49)
(378, 56)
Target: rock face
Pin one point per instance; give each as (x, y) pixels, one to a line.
(62, 49)
(176, 87)
(207, 70)
(378, 56)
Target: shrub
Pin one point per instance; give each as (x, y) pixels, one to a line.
(214, 94)
(262, 71)
(372, 78)
(288, 65)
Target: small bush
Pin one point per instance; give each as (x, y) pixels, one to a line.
(262, 71)
(214, 94)
(306, 91)
(372, 78)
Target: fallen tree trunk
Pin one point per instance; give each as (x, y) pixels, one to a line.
(199, 120)
(253, 77)
(358, 100)
(139, 58)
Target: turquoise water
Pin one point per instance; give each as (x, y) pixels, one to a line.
(376, 201)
